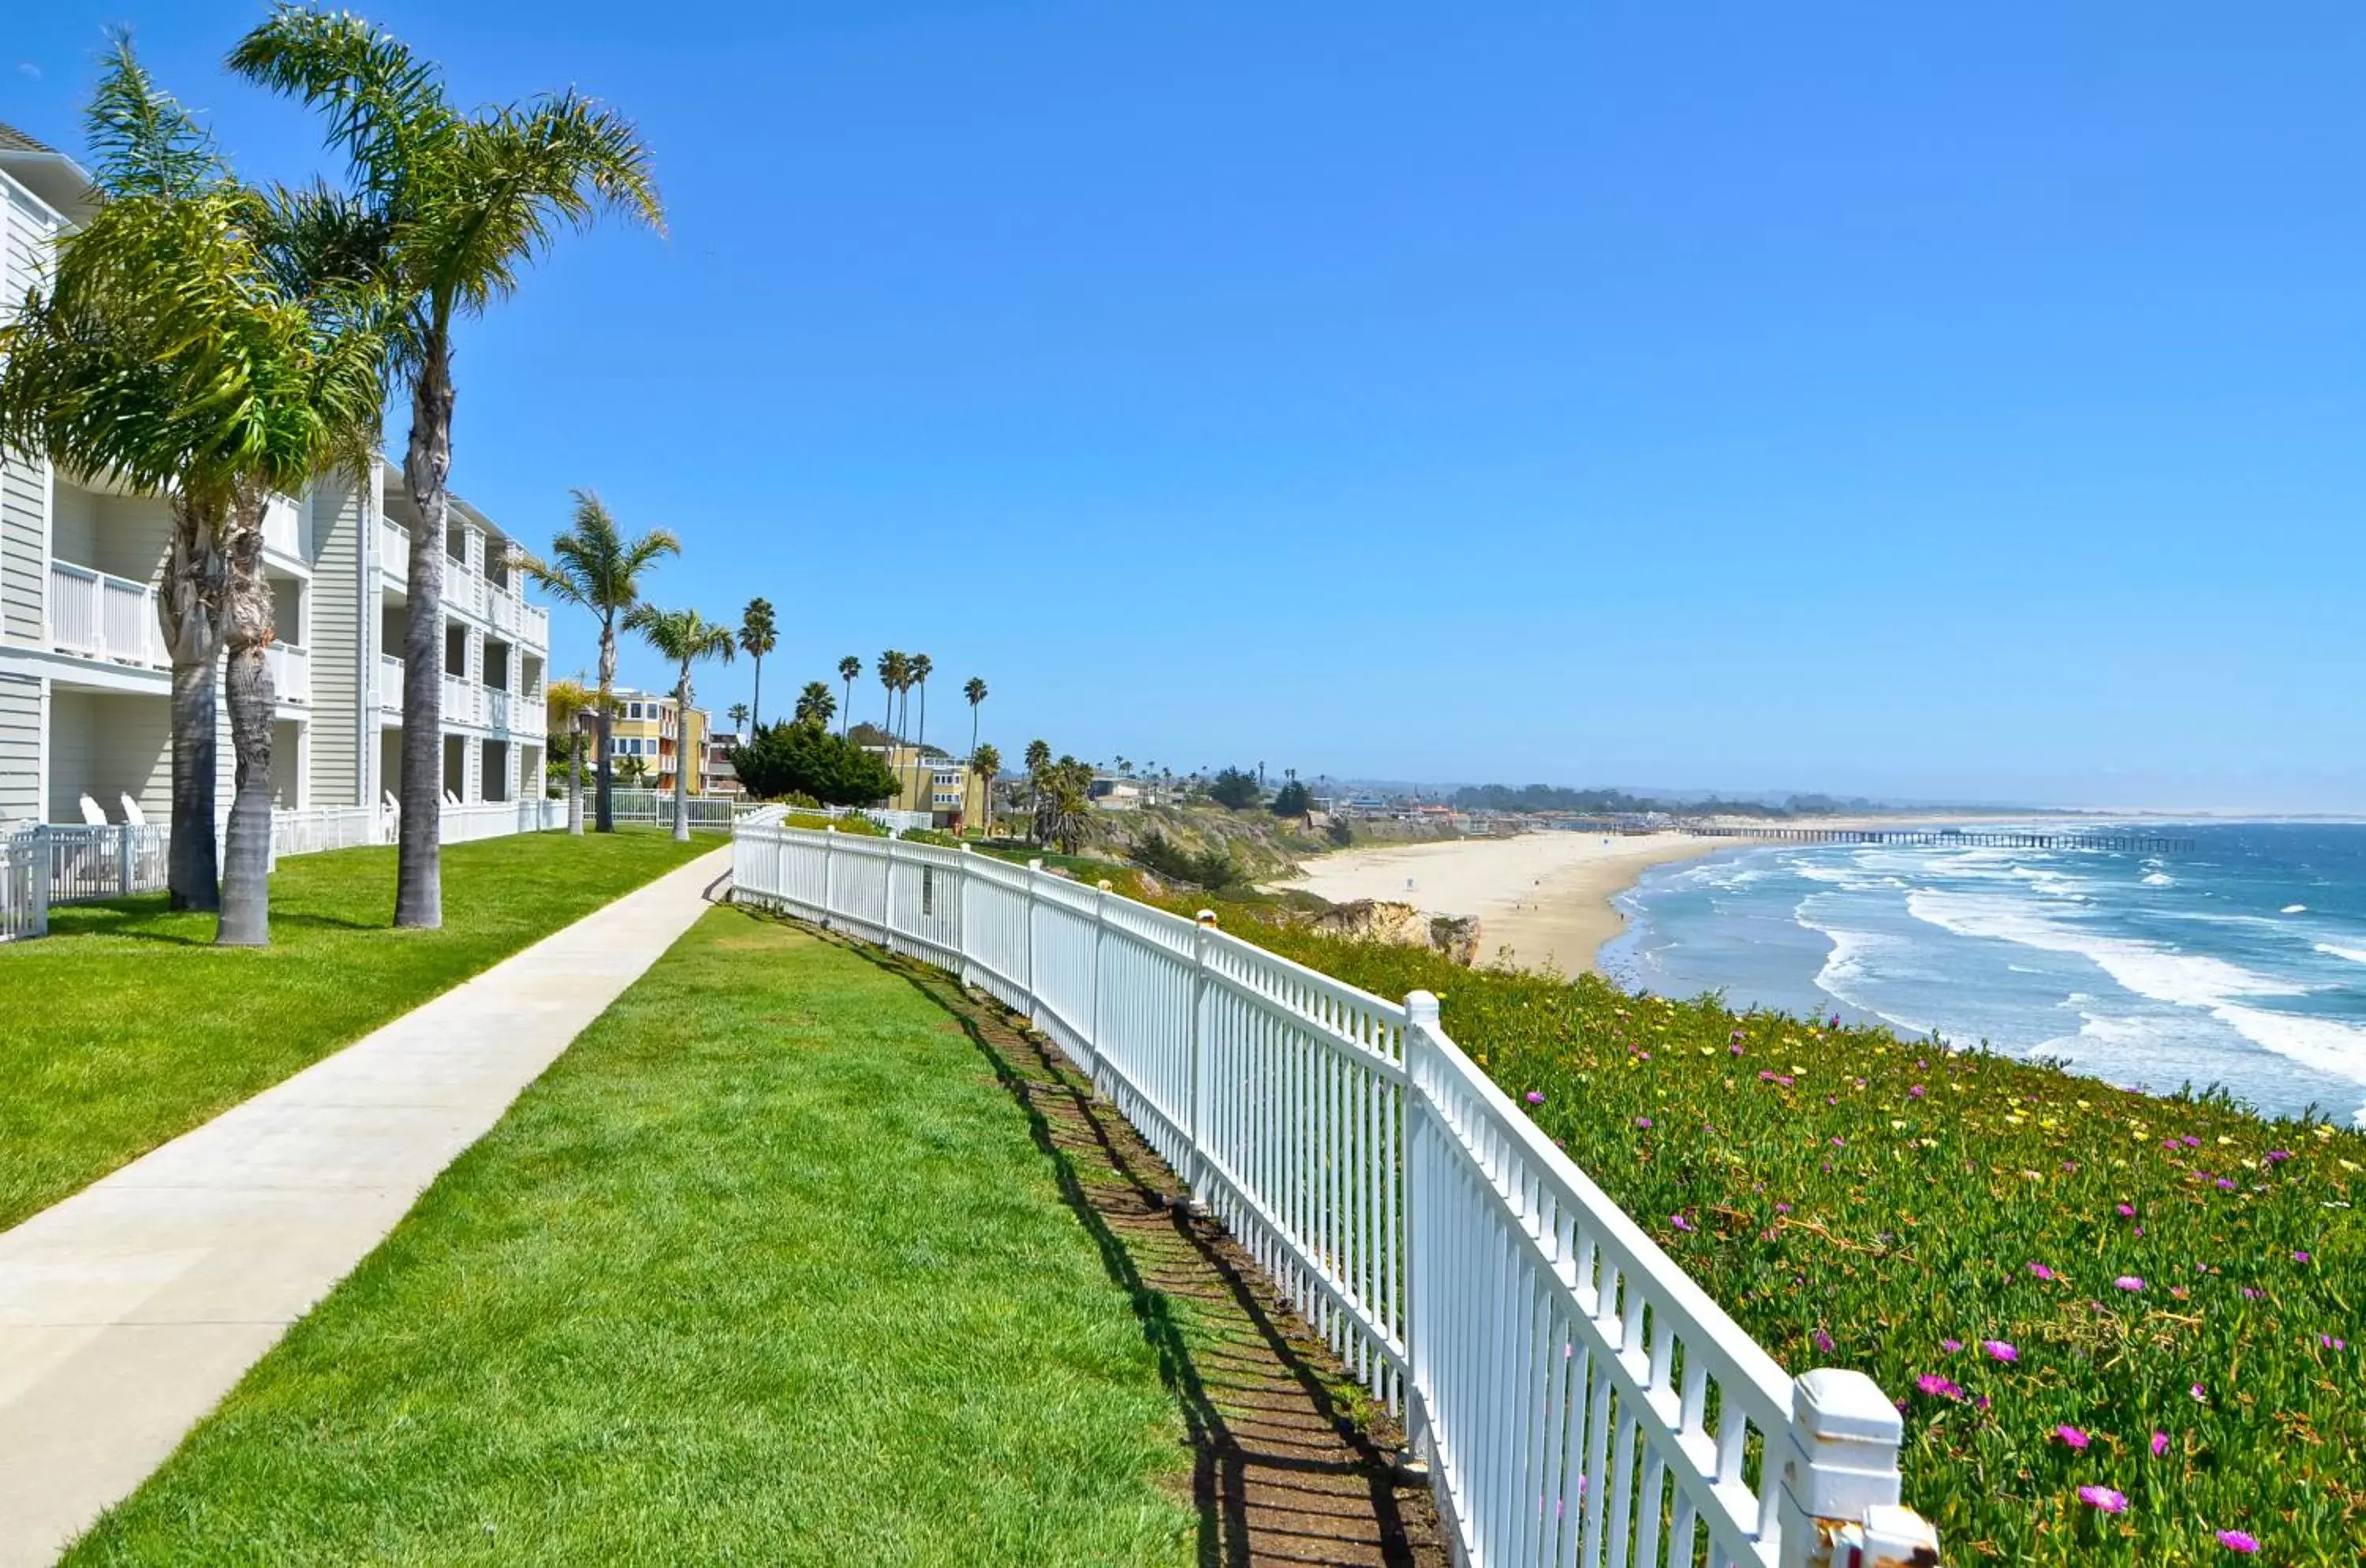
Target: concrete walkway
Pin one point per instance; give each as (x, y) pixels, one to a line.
(129, 1309)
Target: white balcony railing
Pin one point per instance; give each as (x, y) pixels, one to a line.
(463, 701)
(394, 550)
(282, 528)
(496, 707)
(389, 683)
(291, 673)
(99, 617)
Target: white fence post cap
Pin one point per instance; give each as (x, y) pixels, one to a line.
(1843, 1448)
(1421, 1006)
(1834, 1403)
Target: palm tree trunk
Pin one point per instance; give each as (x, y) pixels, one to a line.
(603, 765)
(923, 775)
(191, 608)
(246, 844)
(574, 779)
(426, 469)
(846, 714)
(756, 708)
(681, 757)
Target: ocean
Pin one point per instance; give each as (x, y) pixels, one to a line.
(2240, 963)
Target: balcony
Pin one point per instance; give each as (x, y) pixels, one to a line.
(98, 616)
(464, 701)
(394, 550)
(283, 532)
(291, 673)
(389, 683)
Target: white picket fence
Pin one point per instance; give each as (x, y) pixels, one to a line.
(43, 864)
(708, 813)
(1579, 1400)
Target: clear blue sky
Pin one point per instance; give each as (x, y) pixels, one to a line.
(1963, 402)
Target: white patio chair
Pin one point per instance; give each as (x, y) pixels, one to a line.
(91, 815)
(132, 814)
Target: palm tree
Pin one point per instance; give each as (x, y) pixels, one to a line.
(850, 670)
(448, 208)
(738, 712)
(985, 761)
(634, 770)
(923, 665)
(893, 668)
(178, 351)
(1039, 757)
(591, 565)
(815, 704)
(757, 637)
(974, 690)
(686, 637)
(567, 701)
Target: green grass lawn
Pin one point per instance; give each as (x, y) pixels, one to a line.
(125, 1027)
(766, 1268)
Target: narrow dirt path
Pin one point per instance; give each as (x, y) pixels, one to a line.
(1292, 1460)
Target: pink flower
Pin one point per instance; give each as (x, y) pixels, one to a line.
(2072, 1436)
(2300, 1256)
(1938, 1387)
(2191, 1142)
(2127, 1212)
(2103, 1497)
(2331, 1343)
(2238, 1540)
(2000, 1351)
(1951, 1345)
(1782, 1208)
(1681, 1222)
(1823, 1341)
(2041, 1270)
(1535, 1097)
(1840, 1143)
(2251, 1295)
(2196, 1392)
(2224, 1185)
(1643, 1120)
(2159, 1444)
(2277, 1157)
(2128, 1282)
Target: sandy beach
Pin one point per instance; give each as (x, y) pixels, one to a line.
(1545, 895)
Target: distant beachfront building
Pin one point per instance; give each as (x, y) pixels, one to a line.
(649, 725)
(85, 679)
(947, 788)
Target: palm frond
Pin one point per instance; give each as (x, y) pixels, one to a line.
(386, 107)
(142, 142)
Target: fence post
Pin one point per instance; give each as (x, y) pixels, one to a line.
(1421, 1025)
(1101, 932)
(961, 915)
(887, 896)
(1035, 870)
(829, 876)
(40, 881)
(123, 858)
(1203, 931)
(1840, 1480)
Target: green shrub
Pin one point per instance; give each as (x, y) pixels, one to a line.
(1212, 869)
(802, 758)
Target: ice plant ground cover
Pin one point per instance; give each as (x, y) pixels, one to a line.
(2122, 1328)
(126, 1026)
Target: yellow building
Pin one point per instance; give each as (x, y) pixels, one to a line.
(944, 787)
(647, 728)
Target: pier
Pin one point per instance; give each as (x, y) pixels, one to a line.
(1967, 837)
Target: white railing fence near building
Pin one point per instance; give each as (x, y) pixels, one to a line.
(708, 813)
(46, 863)
(1578, 1398)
